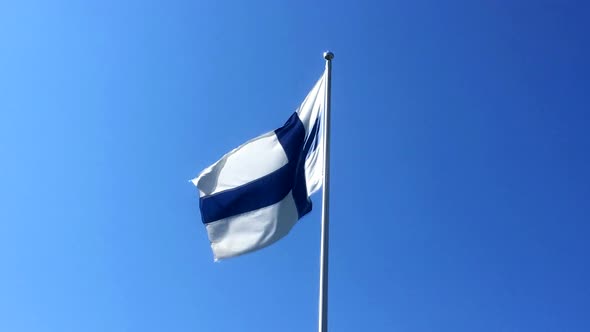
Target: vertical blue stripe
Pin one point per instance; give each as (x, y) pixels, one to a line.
(292, 136)
(311, 143)
(294, 148)
(302, 201)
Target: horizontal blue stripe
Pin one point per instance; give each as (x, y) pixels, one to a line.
(269, 189)
(262, 192)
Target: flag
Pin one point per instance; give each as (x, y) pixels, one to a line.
(254, 195)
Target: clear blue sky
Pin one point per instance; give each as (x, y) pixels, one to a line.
(460, 178)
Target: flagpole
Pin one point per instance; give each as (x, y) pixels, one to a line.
(323, 300)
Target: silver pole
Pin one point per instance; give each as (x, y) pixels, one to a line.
(323, 301)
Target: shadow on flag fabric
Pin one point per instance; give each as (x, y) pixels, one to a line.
(254, 195)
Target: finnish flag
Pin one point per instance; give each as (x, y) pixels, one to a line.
(254, 195)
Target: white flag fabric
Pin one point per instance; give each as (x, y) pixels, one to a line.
(254, 195)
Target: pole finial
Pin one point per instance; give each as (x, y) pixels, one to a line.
(328, 55)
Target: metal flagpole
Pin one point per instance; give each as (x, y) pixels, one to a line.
(323, 301)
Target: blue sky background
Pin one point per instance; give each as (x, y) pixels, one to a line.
(460, 166)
